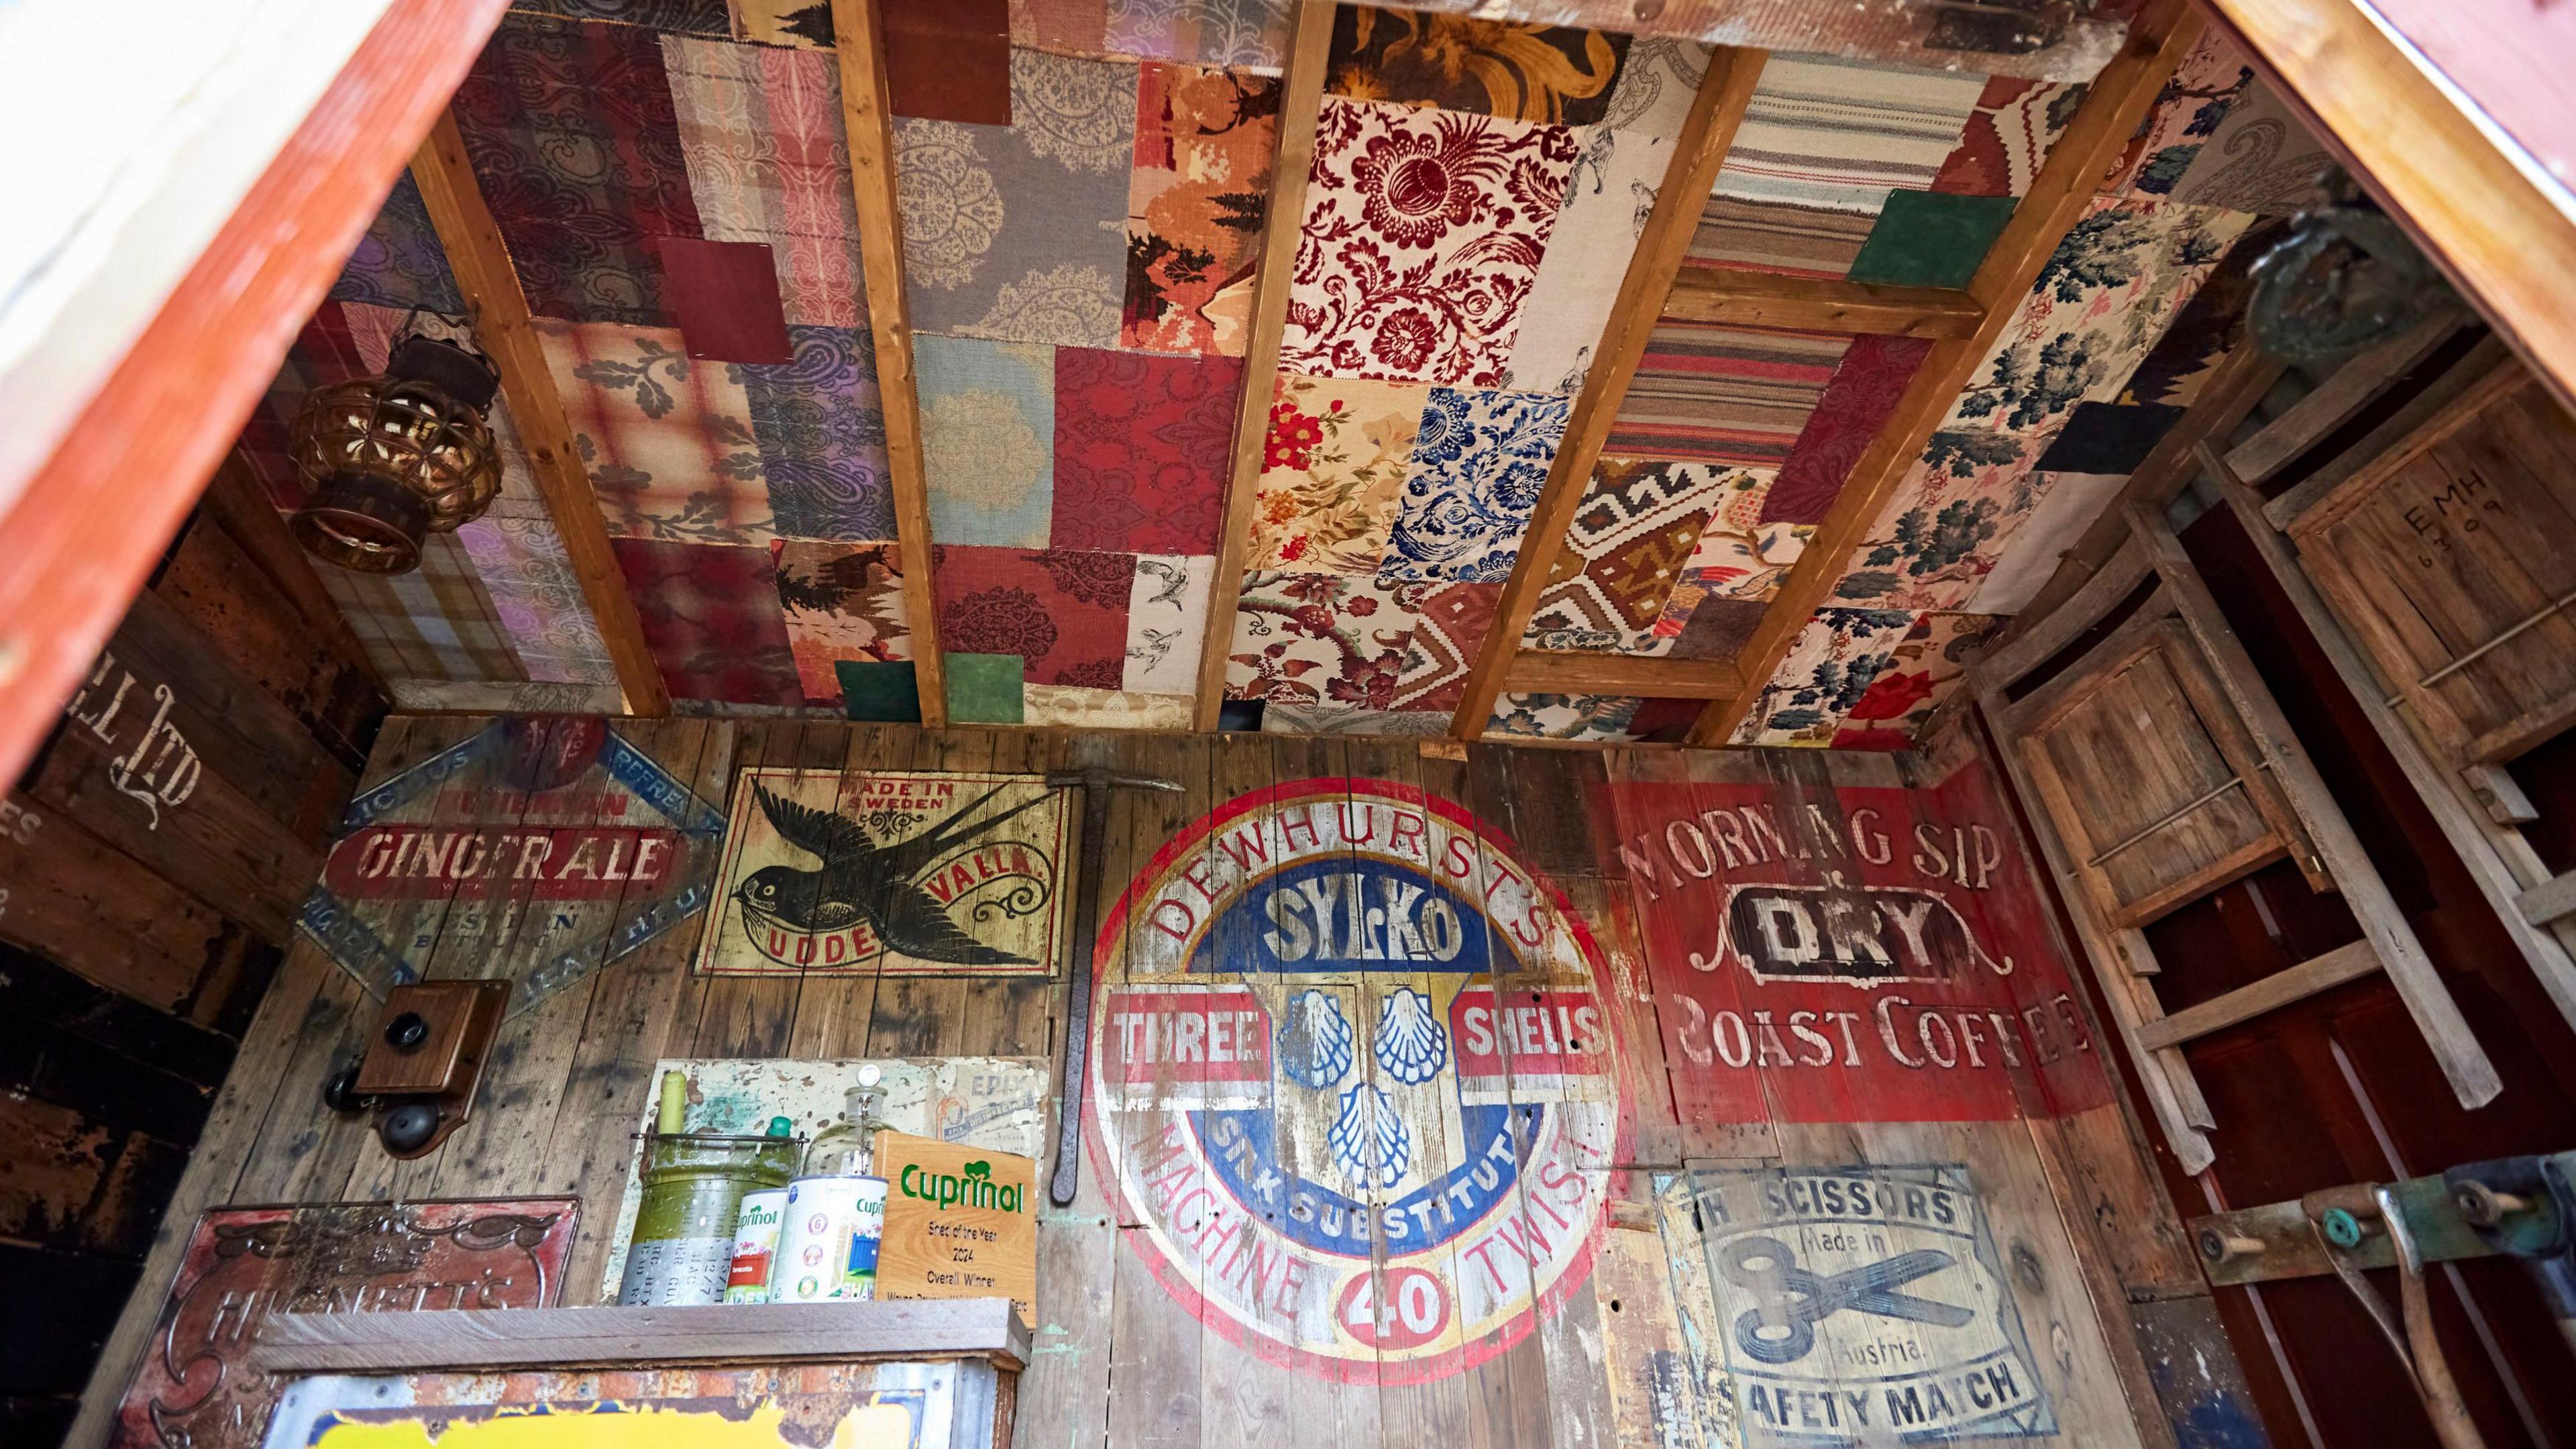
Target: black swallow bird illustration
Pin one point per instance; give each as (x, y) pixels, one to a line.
(862, 880)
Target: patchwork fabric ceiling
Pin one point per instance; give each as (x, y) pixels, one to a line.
(1083, 187)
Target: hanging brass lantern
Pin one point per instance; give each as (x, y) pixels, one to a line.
(388, 461)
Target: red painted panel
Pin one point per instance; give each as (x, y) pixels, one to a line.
(1854, 955)
(98, 513)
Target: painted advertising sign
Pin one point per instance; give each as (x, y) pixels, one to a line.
(1854, 955)
(1859, 1304)
(844, 1406)
(892, 872)
(997, 1104)
(541, 848)
(196, 1390)
(1353, 1076)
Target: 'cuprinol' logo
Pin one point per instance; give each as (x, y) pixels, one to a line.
(975, 1188)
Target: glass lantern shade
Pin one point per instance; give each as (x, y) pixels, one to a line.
(389, 461)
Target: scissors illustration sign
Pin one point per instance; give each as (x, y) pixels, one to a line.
(1866, 1304)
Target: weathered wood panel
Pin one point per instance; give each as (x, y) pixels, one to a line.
(2452, 557)
(150, 866)
(1383, 1073)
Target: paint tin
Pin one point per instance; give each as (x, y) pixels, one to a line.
(693, 1184)
(828, 1246)
(755, 1245)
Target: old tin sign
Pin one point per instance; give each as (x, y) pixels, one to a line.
(898, 873)
(1852, 955)
(1865, 1305)
(195, 1389)
(1355, 1081)
(541, 848)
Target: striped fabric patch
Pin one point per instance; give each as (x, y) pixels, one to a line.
(1724, 394)
(1763, 236)
(1839, 135)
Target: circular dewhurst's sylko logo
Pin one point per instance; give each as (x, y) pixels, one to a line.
(1355, 1075)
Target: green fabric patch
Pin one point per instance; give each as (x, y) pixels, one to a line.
(1930, 239)
(985, 688)
(875, 690)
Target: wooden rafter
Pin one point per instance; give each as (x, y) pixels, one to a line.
(1301, 99)
(2120, 97)
(506, 331)
(1569, 671)
(869, 119)
(1701, 148)
(2468, 195)
(1819, 304)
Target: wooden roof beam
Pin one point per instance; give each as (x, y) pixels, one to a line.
(1301, 100)
(2120, 97)
(1706, 136)
(1820, 304)
(869, 119)
(2468, 193)
(506, 331)
(1567, 671)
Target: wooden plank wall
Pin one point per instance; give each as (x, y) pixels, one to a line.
(151, 861)
(1121, 1360)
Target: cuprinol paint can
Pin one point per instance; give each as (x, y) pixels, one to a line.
(755, 1245)
(817, 1248)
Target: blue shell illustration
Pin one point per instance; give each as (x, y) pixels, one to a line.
(1411, 1045)
(1315, 1040)
(1371, 1144)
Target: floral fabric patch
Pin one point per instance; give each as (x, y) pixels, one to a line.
(570, 127)
(2186, 113)
(1195, 205)
(667, 440)
(1519, 71)
(1141, 449)
(1564, 716)
(1609, 195)
(769, 162)
(710, 615)
(1830, 666)
(987, 440)
(1017, 233)
(2099, 304)
(1939, 533)
(1422, 237)
(1167, 623)
(1724, 394)
(1321, 639)
(842, 603)
(1062, 611)
(1925, 670)
(1333, 467)
(1479, 462)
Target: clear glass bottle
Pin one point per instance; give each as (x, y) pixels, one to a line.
(848, 1148)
